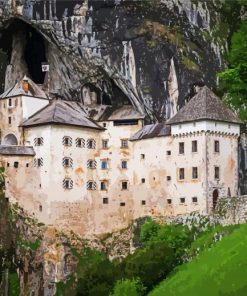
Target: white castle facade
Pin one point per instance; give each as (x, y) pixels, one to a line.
(94, 168)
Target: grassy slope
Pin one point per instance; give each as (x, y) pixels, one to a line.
(221, 271)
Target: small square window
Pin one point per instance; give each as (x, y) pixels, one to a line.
(105, 144)
(194, 146)
(143, 180)
(168, 152)
(181, 174)
(124, 164)
(181, 148)
(182, 200)
(16, 164)
(142, 156)
(168, 178)
(143, 202)
(169, 201)
(216, 146)
(194, 173)
(105, 200)
(124, 185)
(103, 185)
(124, 143)
(122, 204)
(104, 124)
(194, 199)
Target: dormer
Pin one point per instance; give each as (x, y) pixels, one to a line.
(205, 112)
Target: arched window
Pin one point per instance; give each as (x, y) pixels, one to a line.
(10, 139)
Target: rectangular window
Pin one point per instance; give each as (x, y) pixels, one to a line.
(124, 143)
(194, 199)
(67, 162)
(168, 152)
(194, 173)
(103, 185)
(122, 204)
(16, 164)
(80, 142)
(38, 162)
(67, 141)
(67, 183)
(143, 202)
(104, 165)
(105, 200)
(9, 120)
(10, 102)
(216, 173)
(105, 144)
(91, 164)
(91, 185)
(38, 141)
(124, 164)
(194, 146)
(142, 156)
(216, 146)
(168, 178)
(182, 200)
(143, 180)
(181, 174)
(169, 201)
(124, 185)
(181, 148)
(91, 144)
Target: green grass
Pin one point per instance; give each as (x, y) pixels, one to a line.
(218, 271)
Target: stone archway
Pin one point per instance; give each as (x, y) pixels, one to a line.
(215, 198)
(10, 139)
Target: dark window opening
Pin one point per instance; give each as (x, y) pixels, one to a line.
(194, 173)
(8, 164)
(103, 185)
(181, 174)
(105, 200)
(124, 185)
(124, 143)
(142, 156)
(40, 208)
(216, 146)
(9, 120)
(124, 164)
(169, 201)
(194, 146)
(168, 178)
(10, 102)
(168, 152)
(143, 180)
(181, 148)
(122, 204)
(143, 202)
(182, 200)
(27, 165)
(194, 199)
(16, 164)
(125, 122)
(216, 173)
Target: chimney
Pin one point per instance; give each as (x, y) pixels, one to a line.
(25, 84)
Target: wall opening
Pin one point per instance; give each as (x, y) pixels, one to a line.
(10, 139)
(215, 198)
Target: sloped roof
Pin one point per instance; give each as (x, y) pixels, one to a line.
(17, 150)
(152, 131)
(108, 113)
(62, 112)
(204, 105)
(17, 90)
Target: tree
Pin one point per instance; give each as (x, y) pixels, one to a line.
(233, 81)
(128, 287)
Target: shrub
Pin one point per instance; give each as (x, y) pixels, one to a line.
(128, 287)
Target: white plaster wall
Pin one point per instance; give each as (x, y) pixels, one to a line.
(31, 105)
(205, 125)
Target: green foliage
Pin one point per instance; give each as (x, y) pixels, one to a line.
(233, 81)
(218, 271)
(2, 177)
(14, 285)
(128, 287)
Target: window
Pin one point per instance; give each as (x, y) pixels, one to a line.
(194, 199)
(38, 141)
(38, 162)
(105, 200)
(143, 202)
(91, 164)
(67, 162)
(143, 180)
(91, 144)
(67, 183)
(105, 144)
(16, 102)
(9, 120)
(124, 143)
(16, 164)
(124, 164)
(124, 185)
(8, 164)
(122, 204)
(181, 148)
(182, 200)
(91, 185)
(216, 173)
(194, 146)
(67, 141)
(80, 142)
(168, 178)
(104, 165)
(216, 146)
(194, 173)
(169, 201)
(103, 185)
(40, 208)
(181, 174)
(10, 102)
(27, 165)
(168, 152)
(142, 156)
(104, 124)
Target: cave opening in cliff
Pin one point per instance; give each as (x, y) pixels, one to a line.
(24, 48)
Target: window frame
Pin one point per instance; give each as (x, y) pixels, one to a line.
(194, 169)
(122, 166)
(218, 173)
(194, 146)
(105, 185)
(216, 146)
(67, 141)
(68, 183)
(126, 183)
(104, 161)
(89, 146)
(179, 175)
(105, 143)
(180, 150)
(124, 143)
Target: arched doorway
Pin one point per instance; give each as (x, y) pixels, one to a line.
(215, 198)
(10, 139)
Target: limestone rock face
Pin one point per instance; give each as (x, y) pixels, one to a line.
(150, 52)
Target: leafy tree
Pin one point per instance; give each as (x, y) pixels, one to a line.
(128, 287)
(233, 81)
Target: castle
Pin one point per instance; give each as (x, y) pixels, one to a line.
(94, 168)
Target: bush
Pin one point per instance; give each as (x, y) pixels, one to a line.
(128, 287)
